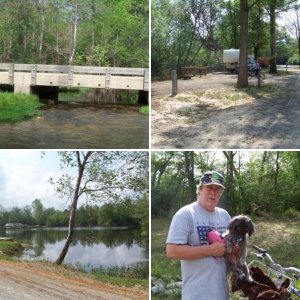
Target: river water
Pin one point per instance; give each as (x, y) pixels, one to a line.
(90, 248)
(79, 126)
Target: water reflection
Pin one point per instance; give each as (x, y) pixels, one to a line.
(90, 248)
(79, 125)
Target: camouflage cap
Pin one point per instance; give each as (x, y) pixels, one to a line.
(212, 177)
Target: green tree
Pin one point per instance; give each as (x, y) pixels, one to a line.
(38, 211)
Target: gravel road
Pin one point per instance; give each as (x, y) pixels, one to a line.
(36, 281)
(269, 122)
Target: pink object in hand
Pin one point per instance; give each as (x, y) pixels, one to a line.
(214, 236)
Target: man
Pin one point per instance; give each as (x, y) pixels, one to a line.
(203, 268)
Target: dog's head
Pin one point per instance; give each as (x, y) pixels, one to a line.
(240, 226)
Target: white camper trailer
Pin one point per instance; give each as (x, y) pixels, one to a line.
(231, 60)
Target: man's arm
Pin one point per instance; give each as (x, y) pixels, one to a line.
(176, 251)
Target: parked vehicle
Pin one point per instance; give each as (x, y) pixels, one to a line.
(231, 60)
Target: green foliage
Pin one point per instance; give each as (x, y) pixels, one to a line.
(139, 270)
(9, 248)
(144, 110)
(15, 107)
(106, 33)
(128, 212)
(126, 276)
(294, 60)
(263, 182)
(38, 211)
(292, 213)
(125, 212)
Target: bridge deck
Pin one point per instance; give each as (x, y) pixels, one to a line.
(74, 76)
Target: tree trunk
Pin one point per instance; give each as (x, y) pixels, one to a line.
(273, 67)
(189, 169)
(297, 28)
(93, 33)
(41, 32)
(243, 61)
(229, 180)
(276, 174)
(81, 167)
(74, 30)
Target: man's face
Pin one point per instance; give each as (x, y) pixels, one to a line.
(209, 196)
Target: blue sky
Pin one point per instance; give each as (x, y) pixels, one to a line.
(24, 176)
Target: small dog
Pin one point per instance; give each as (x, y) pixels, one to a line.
(236, 246)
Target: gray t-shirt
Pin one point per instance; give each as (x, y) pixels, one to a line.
(204, 278)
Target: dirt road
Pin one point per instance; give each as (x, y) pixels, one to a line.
(267, 121)
(35, 281)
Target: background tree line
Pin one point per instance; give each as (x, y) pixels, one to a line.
(82, 32)
(195, 32)
(126, 212)
(257, 183)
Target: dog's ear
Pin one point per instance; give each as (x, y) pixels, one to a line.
(250, 227)
(233, 224)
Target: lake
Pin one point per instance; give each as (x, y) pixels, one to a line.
(91, 248)
(79, 126)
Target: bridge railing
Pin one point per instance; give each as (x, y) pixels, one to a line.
(79, 76)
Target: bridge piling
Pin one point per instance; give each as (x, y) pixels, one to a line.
(24, 89)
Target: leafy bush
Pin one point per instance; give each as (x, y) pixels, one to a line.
(292, 213)
(293, 60)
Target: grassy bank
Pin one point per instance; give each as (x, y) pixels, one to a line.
(280, 237)
(16, 107)
(9, 248)
(126, 276)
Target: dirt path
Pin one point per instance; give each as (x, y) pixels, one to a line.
(35, 281)
(263, 122)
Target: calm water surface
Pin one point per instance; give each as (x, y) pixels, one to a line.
(79, 125)
(91, 248)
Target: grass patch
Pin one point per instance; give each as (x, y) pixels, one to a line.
(161, 266)
(128, 97)
(280, 237)
(69, 94)
(16, 107)
(232, 95)
(284, 73)
(9, 248)
(136, 274)
(184, 99)
(144, 110)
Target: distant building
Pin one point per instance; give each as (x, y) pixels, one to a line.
(14, 225)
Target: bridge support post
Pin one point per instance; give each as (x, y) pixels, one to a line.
(24, 89)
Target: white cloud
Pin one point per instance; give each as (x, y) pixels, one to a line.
(24, 176)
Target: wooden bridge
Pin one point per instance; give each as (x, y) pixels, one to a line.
(26, 76)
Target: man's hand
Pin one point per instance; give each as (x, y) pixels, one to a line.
(217, 249)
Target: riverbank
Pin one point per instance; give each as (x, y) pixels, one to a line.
(16, 107)
(36, 280)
